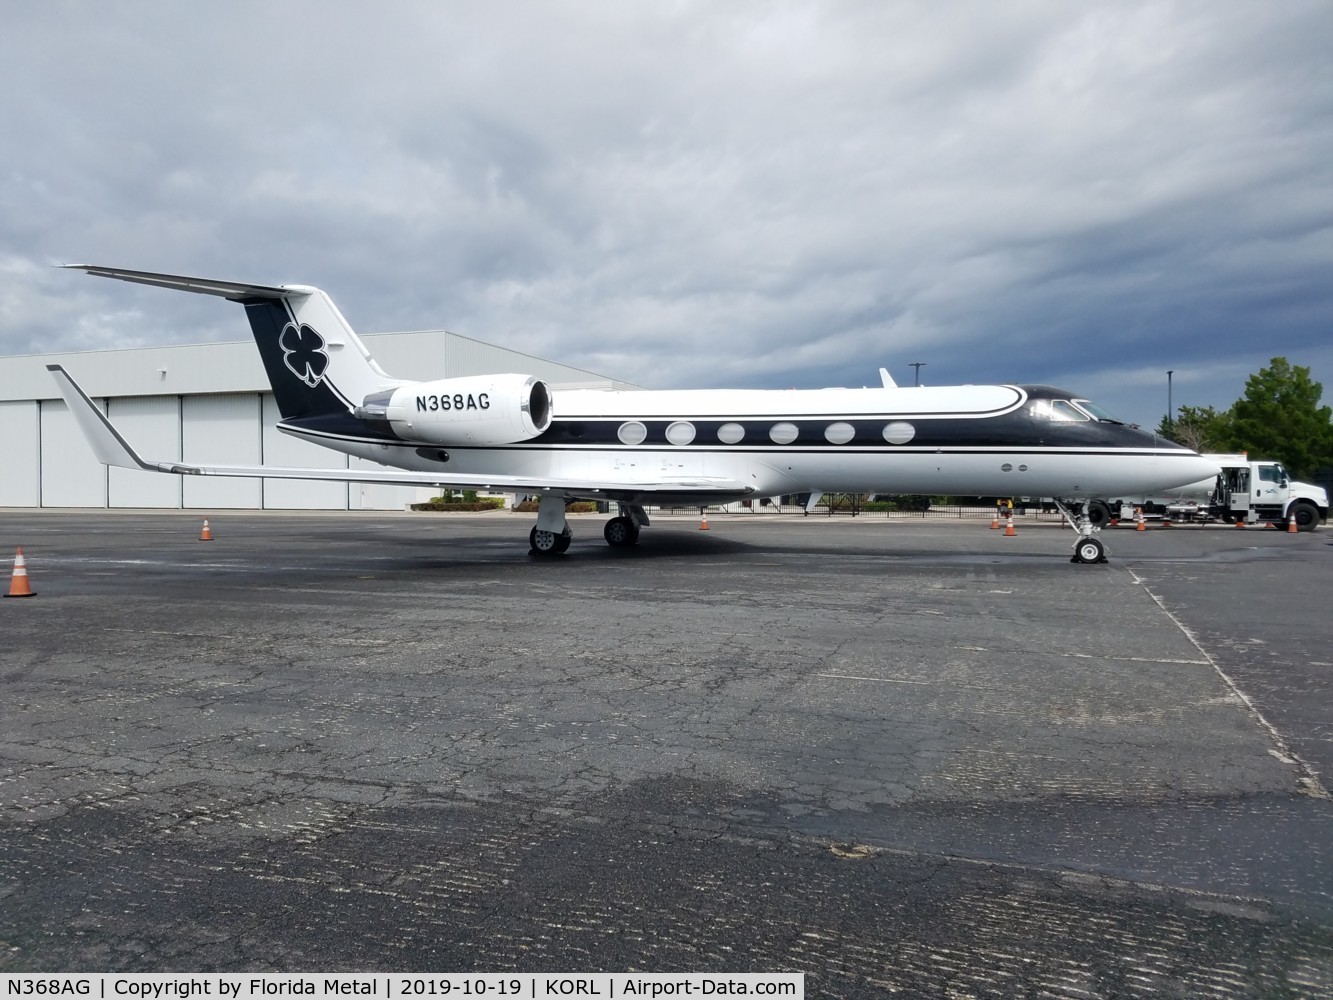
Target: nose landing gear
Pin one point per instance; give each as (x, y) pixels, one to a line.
(1088, 548)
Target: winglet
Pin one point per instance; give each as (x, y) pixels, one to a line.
(887, 379)
(108, 445)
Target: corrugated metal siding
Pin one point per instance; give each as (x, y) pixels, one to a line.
(370, 496)
(221, 430)
(71, 475)
(284, 450)
(20, 454)
(151, 371)
(152, 426)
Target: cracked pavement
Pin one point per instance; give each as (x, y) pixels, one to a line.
(895, 755)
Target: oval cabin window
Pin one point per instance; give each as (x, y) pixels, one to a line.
(839, 433)
(632, 432)
(680, 433)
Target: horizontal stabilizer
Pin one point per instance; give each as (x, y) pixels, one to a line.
(234, 290)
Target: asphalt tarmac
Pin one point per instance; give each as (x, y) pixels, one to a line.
(896, 755)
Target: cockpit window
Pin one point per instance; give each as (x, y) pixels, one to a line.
(1062, 411)
(1096, 411)
(1056, 410)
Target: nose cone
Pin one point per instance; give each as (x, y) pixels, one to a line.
(1184, 468)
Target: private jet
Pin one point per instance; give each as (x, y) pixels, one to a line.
(514, 433)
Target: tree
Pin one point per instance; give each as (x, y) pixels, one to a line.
(1199, 427)
(1279, 417)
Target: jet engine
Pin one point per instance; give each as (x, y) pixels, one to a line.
(475, 410)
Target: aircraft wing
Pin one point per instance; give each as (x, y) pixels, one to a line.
(112, 449)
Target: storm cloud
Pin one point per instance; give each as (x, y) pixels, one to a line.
(691, 194)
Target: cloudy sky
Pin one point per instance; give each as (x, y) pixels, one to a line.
(689, 194)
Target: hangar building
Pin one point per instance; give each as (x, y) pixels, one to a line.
(208, 403)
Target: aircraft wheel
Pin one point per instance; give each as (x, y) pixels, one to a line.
(1099, 513)
(1089, 550)
(621, 532)
(548, 543)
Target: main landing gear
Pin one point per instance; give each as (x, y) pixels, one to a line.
(621, 532)
(550, 543)
(551, 535)
(1088, 548)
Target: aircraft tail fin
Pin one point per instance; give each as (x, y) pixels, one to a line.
(315, 362)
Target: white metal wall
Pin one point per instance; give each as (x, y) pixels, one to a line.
(20, 454)
(221, 430)
(152, 426)
(71, 476)
(284, 450)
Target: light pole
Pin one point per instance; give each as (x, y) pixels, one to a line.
(918, 365)
(1170, 413)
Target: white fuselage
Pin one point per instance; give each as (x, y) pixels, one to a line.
(973, 440)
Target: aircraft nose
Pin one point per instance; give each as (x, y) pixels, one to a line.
(1188, 467)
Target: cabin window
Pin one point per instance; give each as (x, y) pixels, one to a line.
(632, 432)
(899, 432)
(680, 433)
(839, 433)
(1271, 474)
(783, 433)
(731, 433)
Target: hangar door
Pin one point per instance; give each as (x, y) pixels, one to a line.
(152, 426)
(221, 430)
(20, 448)
(71, 476)
(284, 450)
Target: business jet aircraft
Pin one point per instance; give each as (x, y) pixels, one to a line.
(512, 433)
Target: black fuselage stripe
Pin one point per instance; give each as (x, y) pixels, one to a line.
(832, 449)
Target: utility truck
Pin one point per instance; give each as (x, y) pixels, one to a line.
(1245, 491)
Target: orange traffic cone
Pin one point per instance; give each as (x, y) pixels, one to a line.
(1009, 531)
(995, 522)
(18, 583)
(206, 535)
(1138, 520)
(703, 525)
(1291, 525)
(1240, 522)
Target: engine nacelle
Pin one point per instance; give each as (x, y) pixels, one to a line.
(474, 410)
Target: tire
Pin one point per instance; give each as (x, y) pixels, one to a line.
(1089, 550)
(1307, 515)
(548, 543)
(621, 532)
(1099, 513)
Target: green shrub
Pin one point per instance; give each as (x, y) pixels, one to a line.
(451, 503)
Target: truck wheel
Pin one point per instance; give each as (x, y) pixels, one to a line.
(1307, 516)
